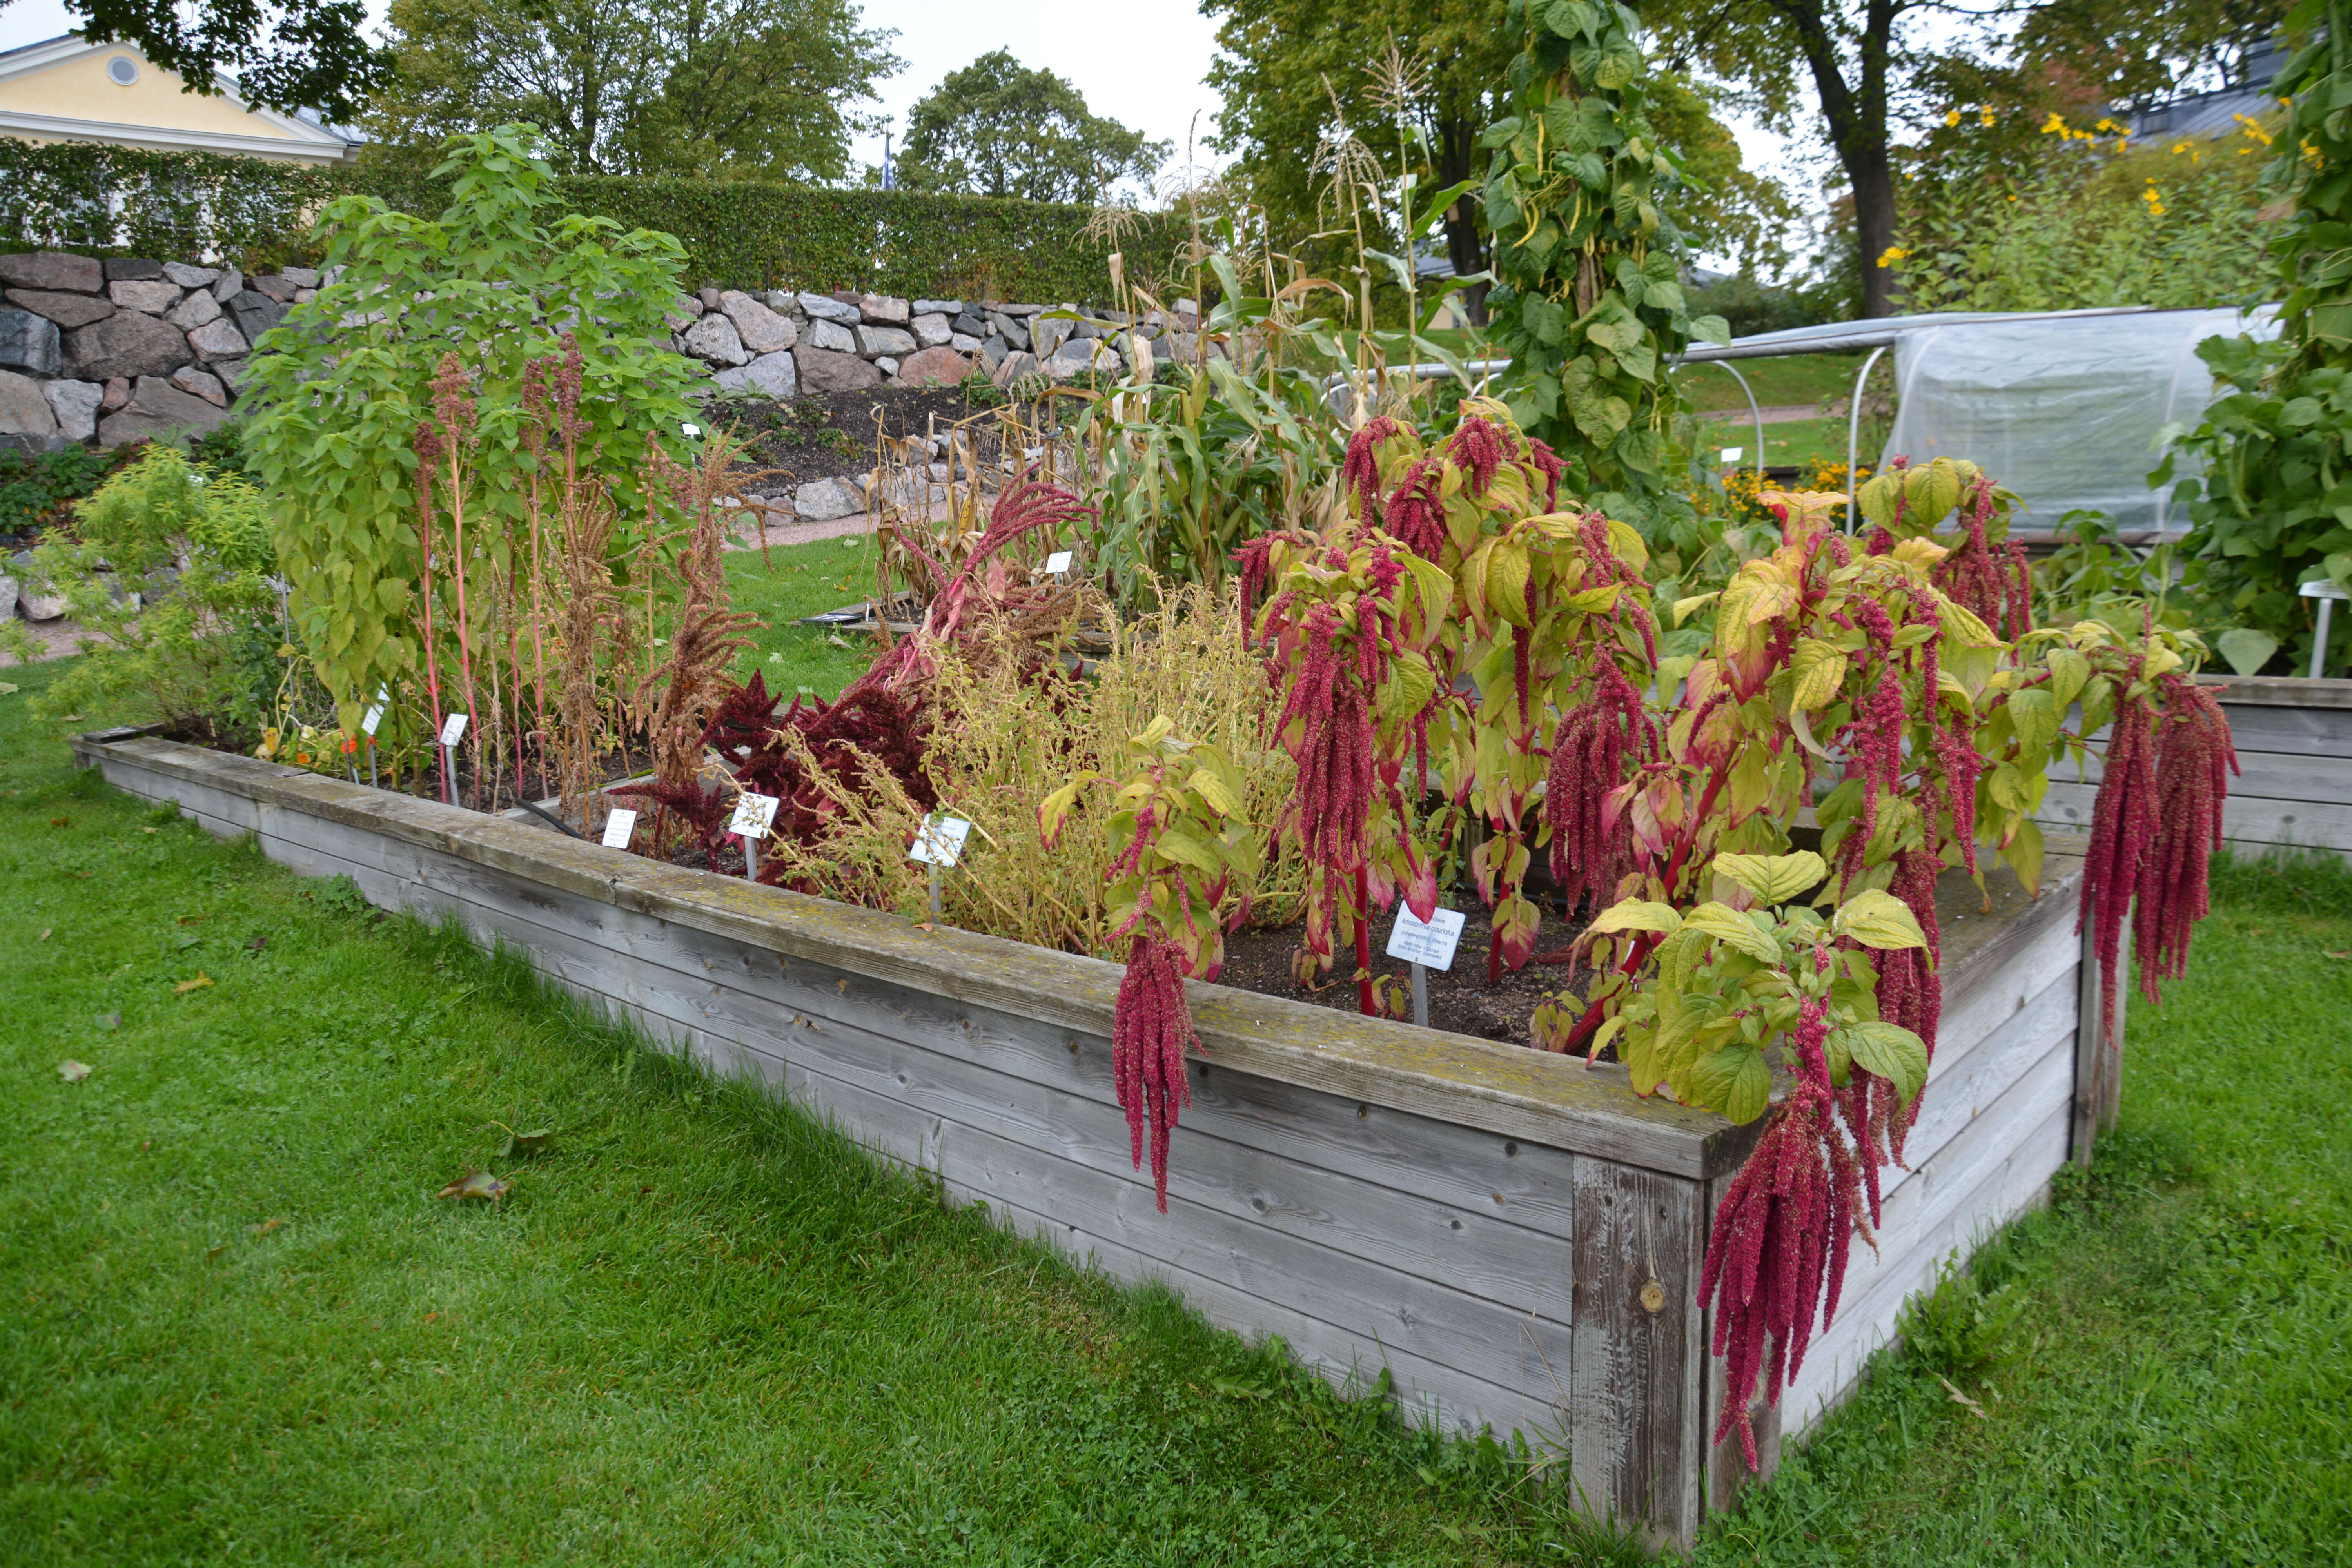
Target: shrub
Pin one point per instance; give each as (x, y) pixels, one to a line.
(167, 566)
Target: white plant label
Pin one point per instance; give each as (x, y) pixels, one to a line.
(1057, 563)
(375, 719)
(1733, 454)
(618, 827)
(1431, 945)
(453, 729)
(941, 841)
(754, 814)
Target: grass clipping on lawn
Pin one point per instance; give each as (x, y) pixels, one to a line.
(1001, 740)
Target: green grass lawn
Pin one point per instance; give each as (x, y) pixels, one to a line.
(1778, 382)
(240, 1326)
(797, 580)
(1791, 441)
(2165, 1357)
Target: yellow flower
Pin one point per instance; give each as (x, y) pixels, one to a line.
(2155, 205)
(1952, 117)
(2055, 124)
(1986, 118)
(1895, 253)
(2108, 125)
(2179, 147)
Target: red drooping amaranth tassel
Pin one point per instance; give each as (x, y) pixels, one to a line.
(2194, 757)
(2124, 823)
(1592, 842)
(1549, 464)
(1361, 470)
(1416, 516)
(1779, 1247)
(1149, 1030)
(1476, 449)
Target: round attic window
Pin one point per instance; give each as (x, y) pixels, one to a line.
(122, 70)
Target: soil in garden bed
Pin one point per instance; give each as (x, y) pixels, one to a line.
(1460, 999)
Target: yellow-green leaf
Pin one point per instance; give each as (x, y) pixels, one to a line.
(1773, 878)
(1820, 670)
(1891, 1051)
(1879, 920)
(1634, 914)
(1727, 924)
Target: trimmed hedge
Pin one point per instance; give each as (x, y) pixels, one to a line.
(743, 234)
(96, 200)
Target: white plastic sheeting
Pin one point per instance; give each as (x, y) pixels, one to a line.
(2063, 410)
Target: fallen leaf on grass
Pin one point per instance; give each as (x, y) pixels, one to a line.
(147, 830)
(1962, 1400)
(6, 689)
(267, 1227)
(61, 822)
(2331, 953)
(45, 933)
(475, 1184)
(257, 944)
(73, 1071)
(198, 984)
(530, 1142)
(109, 1020)
(214, 1251)
(186, 939)
(81, 875)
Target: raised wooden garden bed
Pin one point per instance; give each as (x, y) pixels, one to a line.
(1515, 1240)
(2295, 743)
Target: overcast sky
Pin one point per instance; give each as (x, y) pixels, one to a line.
(1138, 61)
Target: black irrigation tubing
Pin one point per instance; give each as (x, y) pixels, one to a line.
(550, 817)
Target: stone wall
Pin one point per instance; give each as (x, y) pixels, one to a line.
(118, 350)
(784, 344)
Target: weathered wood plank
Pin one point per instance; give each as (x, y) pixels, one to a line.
(2281, 690)
(1929, 1216)
(2011, 1187)
(1502, 1088)
(2089, 1059)
(1979, 1002)
(1637, 1361)
(1980, 1077)
(2262, 775)
(2252, 823)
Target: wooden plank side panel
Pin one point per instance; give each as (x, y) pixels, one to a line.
(2309, 731)
(2261, 775)
(1940, 1208)
(1980, 1078)
(2253, 824)
(1637, 1361)
(1464, 1295)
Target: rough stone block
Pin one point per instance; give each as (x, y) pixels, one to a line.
(233, 373)
(933, 367)
(133, 269)
(302, 276)
(895, 342)
(992, 351)
(1013, 367)
(938, 307)
(217, 340)
(761, 330)
(28, 343)
(159, 411)
(827, 370)
(887, 367)
(68, 310)
(886, 309)
(1084, 356)
(687, 306)
(231, 284)
(963, 343)
(118, 393)
(825, 308)
(1047, 334)
(24, 411)
(53, 269)
(188, 277)
(193, 311)
(273, 286)
(713, 340)
(931, 330)
(255, 313)
(823, 500)
(125, 343)
(832, 336)
(1015, 332)
(773, 375)
(75, 405)
(972, 325)
(200, 384)
(783, 303)
(152, 295)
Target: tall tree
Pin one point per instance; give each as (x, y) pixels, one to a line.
(1871, 66)
(721, 88)
(997, 128)
(285, 54)
(1294, 71)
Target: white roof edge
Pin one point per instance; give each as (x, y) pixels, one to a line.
(164, 139)
(32, 57)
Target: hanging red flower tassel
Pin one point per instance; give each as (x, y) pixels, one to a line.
(1150, 1032)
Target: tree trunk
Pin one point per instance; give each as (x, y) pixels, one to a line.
(1465, 247)
(1856, 116)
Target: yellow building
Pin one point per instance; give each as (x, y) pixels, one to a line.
(67, 90)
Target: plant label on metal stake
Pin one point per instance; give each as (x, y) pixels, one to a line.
(452, 727)
(618, 827)
(1732, 455)
(754, 814)
(1425, 945)
(368, 726)
(938, 844)
(1057, 563)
